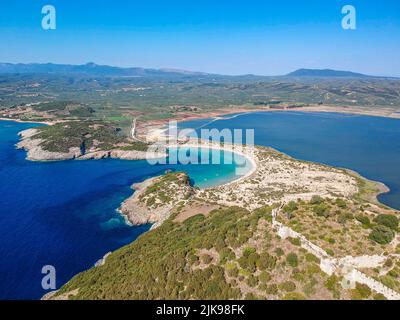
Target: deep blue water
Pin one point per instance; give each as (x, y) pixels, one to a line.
(63, 213)
(368, 145)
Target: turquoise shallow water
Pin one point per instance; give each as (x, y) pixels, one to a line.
(64, 213)
(368, 145)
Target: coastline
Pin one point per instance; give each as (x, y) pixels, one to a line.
(221, 113)
(49, 123)
(246, 152)
(381, 187)
(35, 152)
(136, 213)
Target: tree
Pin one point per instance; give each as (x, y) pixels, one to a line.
(381, 234)
(321, 210)
(290, 208)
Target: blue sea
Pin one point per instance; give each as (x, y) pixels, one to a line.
(64, 213)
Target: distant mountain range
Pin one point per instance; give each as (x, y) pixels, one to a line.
(104, 70)
(326, 73)
(91, 69)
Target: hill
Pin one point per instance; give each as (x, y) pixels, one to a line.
(325, 73)
(91, 69)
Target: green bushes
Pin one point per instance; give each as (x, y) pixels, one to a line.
(295, 241)
(382, 234)
(387, 220)
(343, 217)
(252, 281)
(361, 292)
(294, 296)
(80, 134)
(248, 251)
(332, 284)
(330, 252)
(232, 270)
(292, 260)
(272, 289)
(225, 255)
(264, 277)
(311, 258)
(290, 208)
(155, 265)
(364, 220)
(248, 260)
(379, 296)
(316, 200)
(321, 210)
(384, 231)
(340, 203)
(287, 286)
(266, 261)
(279, 252)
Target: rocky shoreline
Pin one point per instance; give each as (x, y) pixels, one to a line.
(137, 209)
(35, 152)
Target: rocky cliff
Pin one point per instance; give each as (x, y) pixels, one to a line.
(155, 198)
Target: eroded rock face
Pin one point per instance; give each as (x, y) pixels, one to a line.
(36, 153)
(155, 198)
(135, 155)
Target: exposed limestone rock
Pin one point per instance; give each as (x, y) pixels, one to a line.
(155, 198)
(35, 152)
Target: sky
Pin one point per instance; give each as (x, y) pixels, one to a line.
(264, 37)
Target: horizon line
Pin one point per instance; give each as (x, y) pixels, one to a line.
(182, 70)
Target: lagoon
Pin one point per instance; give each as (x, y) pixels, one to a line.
(368, 145)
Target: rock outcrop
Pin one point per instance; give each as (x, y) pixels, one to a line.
(35, 151)
(155, 198)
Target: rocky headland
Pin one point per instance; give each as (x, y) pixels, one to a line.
(33, 145)
(155, 198)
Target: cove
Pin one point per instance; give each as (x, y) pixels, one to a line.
(64, 213)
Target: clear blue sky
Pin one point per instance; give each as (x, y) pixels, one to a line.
(221, 36)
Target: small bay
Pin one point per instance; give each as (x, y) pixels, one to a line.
(64, 213)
